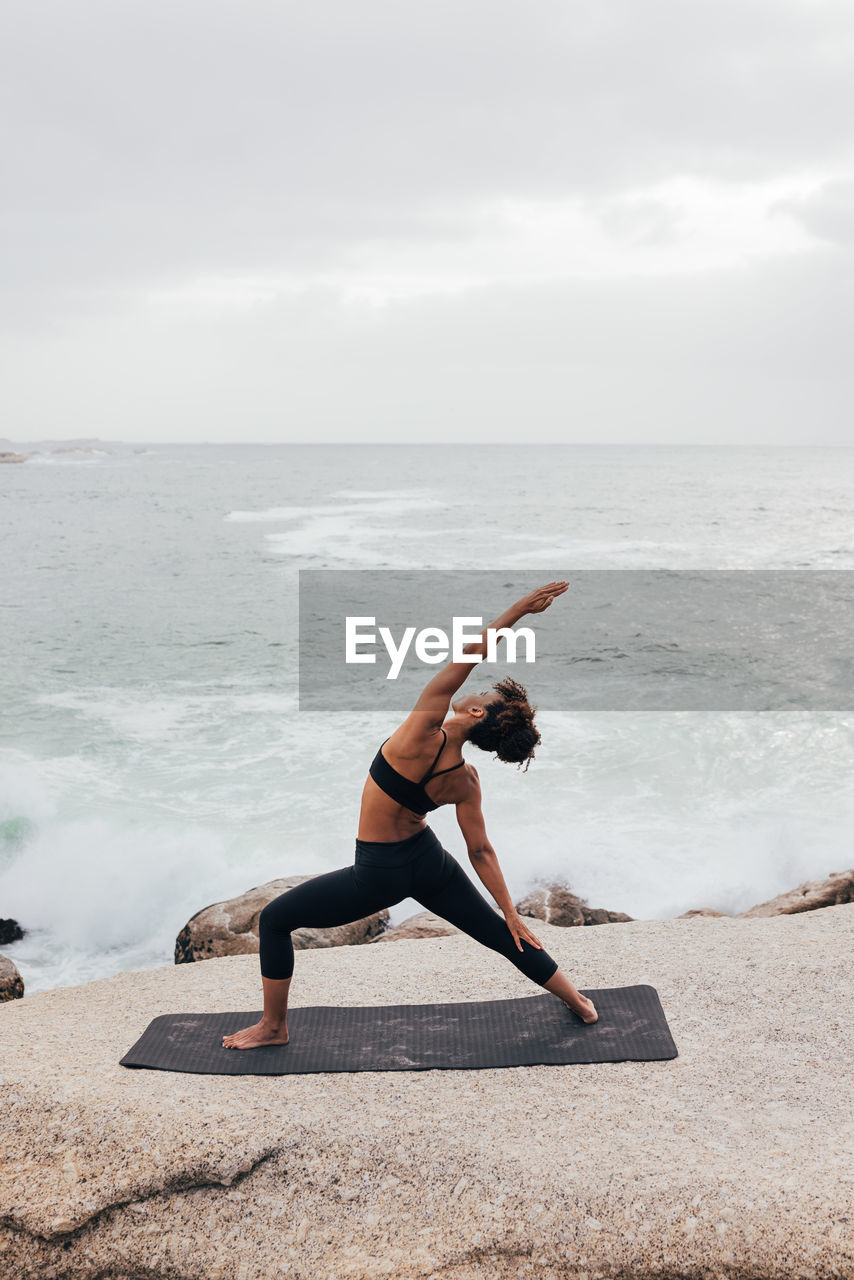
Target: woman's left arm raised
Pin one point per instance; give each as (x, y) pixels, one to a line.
(432, 706)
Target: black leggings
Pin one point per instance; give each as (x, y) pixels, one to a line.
(385, 873)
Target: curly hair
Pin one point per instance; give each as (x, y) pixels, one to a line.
(508, 726)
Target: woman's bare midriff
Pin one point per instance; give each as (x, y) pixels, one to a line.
(383, 819)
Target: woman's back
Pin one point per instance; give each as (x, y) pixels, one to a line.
(395, 798)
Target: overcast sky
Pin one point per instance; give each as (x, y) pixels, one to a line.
(574, 220)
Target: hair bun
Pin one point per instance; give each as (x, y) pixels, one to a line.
(508, 728)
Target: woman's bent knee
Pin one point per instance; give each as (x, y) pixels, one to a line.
(273, 918)
(275, 945)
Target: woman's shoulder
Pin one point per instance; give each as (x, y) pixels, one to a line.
(410, 740)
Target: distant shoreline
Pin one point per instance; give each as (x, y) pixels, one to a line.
(24, 453)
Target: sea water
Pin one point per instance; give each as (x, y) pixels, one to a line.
(153, 758)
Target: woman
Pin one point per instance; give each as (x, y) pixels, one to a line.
(397, 854)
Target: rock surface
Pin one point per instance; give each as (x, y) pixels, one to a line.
(837, 889)
(11, 982)
(700, 911)
(231, 928)
(422, 925)
(732, 1160)
(10, 931)
(556, 904)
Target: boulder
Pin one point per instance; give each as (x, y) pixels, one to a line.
(10, 931)
(838, 888)
(231, 928)
(556, 904)
(731, 1160)
(699, 911)
(422, 925)
(601, 915)
(11, 982)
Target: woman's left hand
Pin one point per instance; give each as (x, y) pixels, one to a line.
(539, 600)
(519, 929)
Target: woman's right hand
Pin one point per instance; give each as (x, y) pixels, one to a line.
(520, 930)
(540, 599)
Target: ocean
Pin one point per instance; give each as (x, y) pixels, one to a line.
(153, 757)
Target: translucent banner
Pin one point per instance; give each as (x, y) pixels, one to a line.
(616, 640)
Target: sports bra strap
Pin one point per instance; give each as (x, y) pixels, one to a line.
(450, 769)
(429, 772)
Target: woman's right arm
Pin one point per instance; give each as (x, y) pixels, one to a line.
(484, 859)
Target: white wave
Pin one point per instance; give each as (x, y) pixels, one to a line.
(25, 801)
(133, 716)
(346, 543)
(137, 715)
(100, 891)
(364, 529)
(391, 506)
(95, 886)
(657, 814)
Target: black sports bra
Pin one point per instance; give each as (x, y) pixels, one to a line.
(406, 792)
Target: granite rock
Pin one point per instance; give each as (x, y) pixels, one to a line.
(422, 925)
(601, 915)
(230, 928)
(700, 911)
(558, 905)
(838, 888)
(731, 1160)
(11, 982)
(10, 931)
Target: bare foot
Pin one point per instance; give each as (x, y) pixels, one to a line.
(586, 1010)
(254, 1037)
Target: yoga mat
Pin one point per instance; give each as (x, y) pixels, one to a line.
(524, 1032)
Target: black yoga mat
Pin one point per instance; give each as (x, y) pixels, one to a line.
(523, 1032)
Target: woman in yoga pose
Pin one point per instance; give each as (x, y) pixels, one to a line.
(397, 854)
